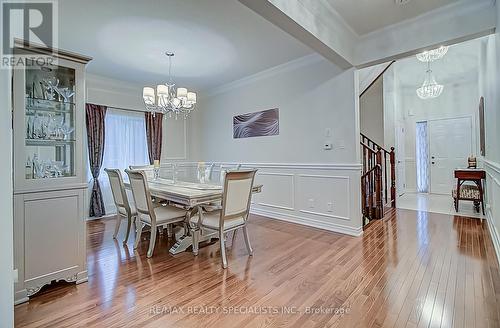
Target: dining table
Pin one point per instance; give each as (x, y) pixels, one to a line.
(191, 195)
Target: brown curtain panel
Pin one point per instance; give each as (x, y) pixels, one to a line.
(154, 135)
(95, 136)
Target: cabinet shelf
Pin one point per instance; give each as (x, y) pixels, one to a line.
(48, 142)
(43, 105)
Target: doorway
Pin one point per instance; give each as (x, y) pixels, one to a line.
(441, 146)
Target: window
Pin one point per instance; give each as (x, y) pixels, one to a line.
(422, 148)
(124, 145)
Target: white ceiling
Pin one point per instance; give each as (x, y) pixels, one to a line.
(461, 63)
(215, 41)
(365, 16)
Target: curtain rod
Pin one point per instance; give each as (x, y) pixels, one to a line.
(120, 108)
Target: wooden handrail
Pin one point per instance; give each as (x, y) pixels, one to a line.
(376, 178)
(374, 145)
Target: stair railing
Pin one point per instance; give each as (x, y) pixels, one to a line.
(379, 172)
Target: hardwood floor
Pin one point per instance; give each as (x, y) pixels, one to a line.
(412, 269)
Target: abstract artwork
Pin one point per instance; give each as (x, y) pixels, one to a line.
(258, 124)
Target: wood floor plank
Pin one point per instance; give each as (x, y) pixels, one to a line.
(412, 269)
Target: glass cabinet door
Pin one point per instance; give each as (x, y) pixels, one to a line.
(49, 122)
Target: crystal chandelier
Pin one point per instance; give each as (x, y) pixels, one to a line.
(169, 99)
(430, 88)
(432, 55)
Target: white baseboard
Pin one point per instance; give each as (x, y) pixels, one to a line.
(309, 222)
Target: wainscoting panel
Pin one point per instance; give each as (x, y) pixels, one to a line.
(493, 202)
(279, 191)
(325, 196)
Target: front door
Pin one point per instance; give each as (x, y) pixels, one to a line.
(450, 143)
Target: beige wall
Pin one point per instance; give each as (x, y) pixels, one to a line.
(371, 111)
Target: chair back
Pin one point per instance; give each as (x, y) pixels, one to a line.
(205, 170)
(237, 194)
(141, 167)
(118, 189)
(226, 168)
(140, 191)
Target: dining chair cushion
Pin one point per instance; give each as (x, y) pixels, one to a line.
(211, 220)
(165, 214)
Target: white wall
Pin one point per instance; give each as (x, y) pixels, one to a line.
(302, 182)
(371, 112)
(488, 88)
(391, 106)
(6, 231)
(312, 95)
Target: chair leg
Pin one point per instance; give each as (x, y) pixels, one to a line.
(129, 224)
(170, 230)
(152, 240)
(196, 240)
(247, 241)
(139, 232)
(223, 251)
(234, 237)
(117, 225)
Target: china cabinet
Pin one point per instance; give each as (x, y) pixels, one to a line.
(49, 171)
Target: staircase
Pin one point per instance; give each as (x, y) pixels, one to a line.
(379, 172)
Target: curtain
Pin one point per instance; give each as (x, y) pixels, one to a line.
(154, 135)
(125, 145)
(422, 154)
(95, 137)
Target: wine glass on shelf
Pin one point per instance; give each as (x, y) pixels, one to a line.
(66, 93)
(66, 131)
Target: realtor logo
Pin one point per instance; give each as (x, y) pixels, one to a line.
(35, 22)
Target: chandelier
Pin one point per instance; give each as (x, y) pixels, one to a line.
(167, 98)
(430, 88)
(432, 55)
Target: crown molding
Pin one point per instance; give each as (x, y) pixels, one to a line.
(279, 69)
(454, 9)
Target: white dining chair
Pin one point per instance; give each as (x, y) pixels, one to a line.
(233, 214)
(148, 213)
(224, 168)
(124, 208)
(148, 169)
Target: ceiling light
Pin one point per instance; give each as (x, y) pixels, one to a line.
(432, 55)
(430, 88)
(168, 99)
